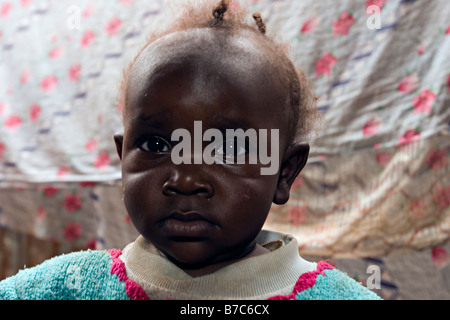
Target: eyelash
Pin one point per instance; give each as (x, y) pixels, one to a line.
(166, 147)
(157, 140)
(239, 148)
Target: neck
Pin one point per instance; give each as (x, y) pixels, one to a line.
(198, 272)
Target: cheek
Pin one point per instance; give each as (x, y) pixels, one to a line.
(134, 199)
(141, 176)
(252, 201)
(251, 198)
(141, 197)
(261, 189)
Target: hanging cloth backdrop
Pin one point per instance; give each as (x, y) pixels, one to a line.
(378, 179)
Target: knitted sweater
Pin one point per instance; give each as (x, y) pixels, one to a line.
(139, 272)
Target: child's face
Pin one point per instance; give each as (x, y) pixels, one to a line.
(200, 214)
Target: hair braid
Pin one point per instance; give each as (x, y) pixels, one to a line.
(259, 22)
(220, 10)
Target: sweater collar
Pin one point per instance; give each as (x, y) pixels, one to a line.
(256, 277)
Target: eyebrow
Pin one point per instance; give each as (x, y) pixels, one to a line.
(159, 120)
(154, 120)
(227, 123)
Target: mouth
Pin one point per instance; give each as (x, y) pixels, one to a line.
(187, 226)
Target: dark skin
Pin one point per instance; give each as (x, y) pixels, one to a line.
(225, 81)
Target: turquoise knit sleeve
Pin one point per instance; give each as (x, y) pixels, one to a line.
(335, 285)
(81, 275)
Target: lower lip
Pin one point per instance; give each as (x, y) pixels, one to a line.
(187, 229)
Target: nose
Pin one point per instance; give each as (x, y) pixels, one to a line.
(187, 182)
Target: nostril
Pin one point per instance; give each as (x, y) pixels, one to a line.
(171, 189)
(203, 191)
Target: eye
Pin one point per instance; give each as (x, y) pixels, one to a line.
(155, 144)
(232, 149)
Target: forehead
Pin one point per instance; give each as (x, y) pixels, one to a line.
(243, 57)
(215, 48)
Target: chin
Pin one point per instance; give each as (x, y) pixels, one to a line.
(190, 255)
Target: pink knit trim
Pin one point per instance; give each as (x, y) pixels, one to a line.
(305, 281)
(133, 290)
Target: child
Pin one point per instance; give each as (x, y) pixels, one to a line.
(200, 223)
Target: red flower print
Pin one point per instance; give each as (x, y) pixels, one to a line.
(102, 160)
(298, 182)
(49, 83)
(3, 107)
(357, 278)
(56, 53)
(126, 1)
(87, 12)
(41, 213)
(5, 9)
(72, 202)
(440, 257)
(72, 231)
(234, 6)
(24, 77)
(421, 50)
(91, 145)
(409, 136)
(113, 25)
(383, 158)
(379, 3)
(2, 149)
(424, 102)
(86, 39)
(62, 171)
(310, 24)
(13, 122)
(74, 72)
(50, 191)
(437, 159)
(35, 111)
(91, 244)
(24, 3)
(87, 184)
(371, 127)
(448, 30)
(342, 25)
(325, 64)
(408, 83)
(441, 196)
(119, 107)
(417, 207)
(297, 215)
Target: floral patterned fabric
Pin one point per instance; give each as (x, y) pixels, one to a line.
(377, 182)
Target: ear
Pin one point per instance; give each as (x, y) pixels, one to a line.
(118, 139)
(294, 161)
